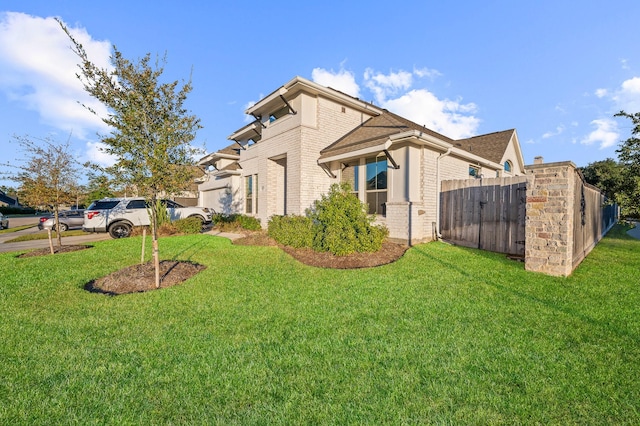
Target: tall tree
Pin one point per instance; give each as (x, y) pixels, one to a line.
(48, 176)
(607, 175)
(629, 156)
(151, 131)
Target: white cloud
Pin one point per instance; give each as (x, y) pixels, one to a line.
(444, 116)
(557, 132)
(606, 133)
(38, 71)
(628, 97)
(342, 80)
(427, 72)
(601, 93)
(95, 154)
(385, 85)
(393, 91)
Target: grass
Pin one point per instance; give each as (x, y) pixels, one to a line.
(15, 229)
(44, 235)
(446, 335)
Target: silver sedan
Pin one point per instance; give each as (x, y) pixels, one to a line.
(68, 219)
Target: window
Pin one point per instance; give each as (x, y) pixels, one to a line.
(279, 114)
(350, 175)
(474, 171)
(376, 185)
(251, 194)
(507, 166)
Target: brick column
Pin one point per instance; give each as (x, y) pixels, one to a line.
(549, 223)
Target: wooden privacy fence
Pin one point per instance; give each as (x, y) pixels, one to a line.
(592, 218)
(549, 216)
(489, 214)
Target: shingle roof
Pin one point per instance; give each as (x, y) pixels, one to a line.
(376, 131)
(490, 146)
(233, 149)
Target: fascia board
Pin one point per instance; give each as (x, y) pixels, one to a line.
(358, 154)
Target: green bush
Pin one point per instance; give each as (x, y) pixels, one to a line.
(294, 231)
(341, 224)
(189, 225)
(232, 222)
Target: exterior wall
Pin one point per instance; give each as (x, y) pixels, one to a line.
(221, 194)
(298, 139)
(511, 155)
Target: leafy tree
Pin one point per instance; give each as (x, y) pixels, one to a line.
(151, 131)
(98, 187)
(629, 156)
(48, 177)
(607, 175)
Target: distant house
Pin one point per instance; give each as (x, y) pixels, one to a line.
(305, 136)
(6, 201)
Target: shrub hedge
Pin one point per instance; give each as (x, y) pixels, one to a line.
(337, 223)
(294, 231)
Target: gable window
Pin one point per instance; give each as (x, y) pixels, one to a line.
(474, 171)
(251, 194)
(376, 185)
(507, 166)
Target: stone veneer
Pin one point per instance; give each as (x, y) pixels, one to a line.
(549, 223)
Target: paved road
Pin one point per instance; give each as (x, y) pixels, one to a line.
(36, 244)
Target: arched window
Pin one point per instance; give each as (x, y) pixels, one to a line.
(507, 166)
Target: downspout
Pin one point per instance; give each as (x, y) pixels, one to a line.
(444, 154)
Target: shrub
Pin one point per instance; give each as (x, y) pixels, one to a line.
(341, 224)
(189, 225)
(294, 231)
(234, 222)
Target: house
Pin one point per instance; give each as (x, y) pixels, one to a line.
(6, 201)
(305, 137)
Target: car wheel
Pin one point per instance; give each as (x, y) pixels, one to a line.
(120, 230)
(63, 227)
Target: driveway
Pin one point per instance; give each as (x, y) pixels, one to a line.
(36, 244)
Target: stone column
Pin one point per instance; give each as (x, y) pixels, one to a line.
(549, 223)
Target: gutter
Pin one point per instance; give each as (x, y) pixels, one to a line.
(438, 189)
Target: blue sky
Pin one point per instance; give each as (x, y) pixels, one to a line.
(552, 70)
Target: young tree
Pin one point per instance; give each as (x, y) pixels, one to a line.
(151, 131)
(48, 177)
(629, 156)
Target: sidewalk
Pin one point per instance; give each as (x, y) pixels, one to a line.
(635, 232)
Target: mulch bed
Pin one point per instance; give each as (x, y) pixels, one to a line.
(56, 250)
(140, 278)
(390, 252)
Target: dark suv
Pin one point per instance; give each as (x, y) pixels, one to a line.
(118, 216)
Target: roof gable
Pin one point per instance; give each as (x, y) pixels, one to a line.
(375, 131)
(490, 146)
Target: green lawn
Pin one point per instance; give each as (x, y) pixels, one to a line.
(446, 335)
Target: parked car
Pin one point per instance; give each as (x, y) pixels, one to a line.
(118, 216)
(4, 221)
(68, 219)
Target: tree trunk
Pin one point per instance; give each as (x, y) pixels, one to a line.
(50, 241)
(156, 261)
(56, 221)
(144, 241)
